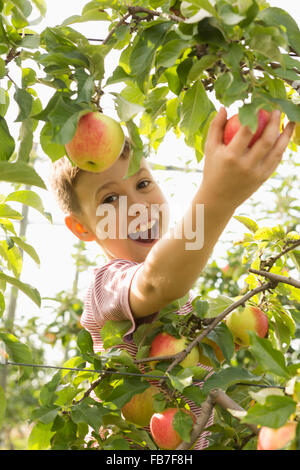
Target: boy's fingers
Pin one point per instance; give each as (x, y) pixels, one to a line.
(268, 138)
(239, 143)
(274, 157)
(216, 130)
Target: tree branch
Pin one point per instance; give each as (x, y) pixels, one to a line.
(276, 277)
(270, 262)
(133, 11)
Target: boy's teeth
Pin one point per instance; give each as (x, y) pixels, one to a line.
(145, 227)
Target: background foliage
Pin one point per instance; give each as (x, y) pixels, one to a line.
(177, 59)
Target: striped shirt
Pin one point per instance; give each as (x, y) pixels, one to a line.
(107, 298)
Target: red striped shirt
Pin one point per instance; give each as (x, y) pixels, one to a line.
(107, 298)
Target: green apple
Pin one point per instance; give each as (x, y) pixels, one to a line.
(275, 439)
(162, 430)
(140, 408)
(97, 143)
(250, 318)
(165, 345)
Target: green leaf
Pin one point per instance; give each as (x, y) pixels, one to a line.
(228, 15)
(125, 389)
(192, 7)
(26, 137)
(2, 304)
(4, 102)
(12, 255)
(95, 14)
(47, 392)
(28, 248)
(277, 16)
(7, 212)
(30, 291)
(17, 351)
(125, 109)
(40, 436)
(45, 414)
(195, 394)
(268, 358)
(64, 118)
(201, 307)
(183, 424)
(113, 331)
(2, 405)
(137, 149)
(20, 172)
(225, 378)
(29, 198)
(24, 100)
(182, 379)
(288, 107)
(218, 305)
(202, 64)
(53, 150)
(85, 342)
(222, 336)
(144, 50)
(249, 223)
(88, 413)
(41, 5)
(274, 413)
(170, 51)
(196, 106)
(295, 257)
(209, 32)
(7, 143)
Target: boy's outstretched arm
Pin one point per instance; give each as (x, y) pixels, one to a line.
(231, 175)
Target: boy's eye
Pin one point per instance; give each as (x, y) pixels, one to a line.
(144, 181)
(140, 185)
(109, 199)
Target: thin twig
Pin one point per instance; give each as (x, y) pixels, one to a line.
(270, 262)
(111, 33)
(276, 277)
(180, 356)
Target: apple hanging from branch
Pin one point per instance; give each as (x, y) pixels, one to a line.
(164, 345)
(233, 124)
(250, 318)
(97, 143)
(162, 430)
(140, 408)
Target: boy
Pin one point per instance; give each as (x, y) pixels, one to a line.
(143, 276)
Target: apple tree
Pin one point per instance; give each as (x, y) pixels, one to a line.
(176, 60)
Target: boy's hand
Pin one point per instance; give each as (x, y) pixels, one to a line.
(233, 172)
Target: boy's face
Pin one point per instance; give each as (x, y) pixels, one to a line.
(118, 196)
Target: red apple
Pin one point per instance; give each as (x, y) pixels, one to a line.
(233, 124)
(246, 319)
(140, 408)
(275, 439)
(162, 431)
(165, 345)
(97, 143)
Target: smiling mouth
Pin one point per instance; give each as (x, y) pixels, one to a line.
(147, 236)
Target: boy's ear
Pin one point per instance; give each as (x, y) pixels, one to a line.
(79, 230)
